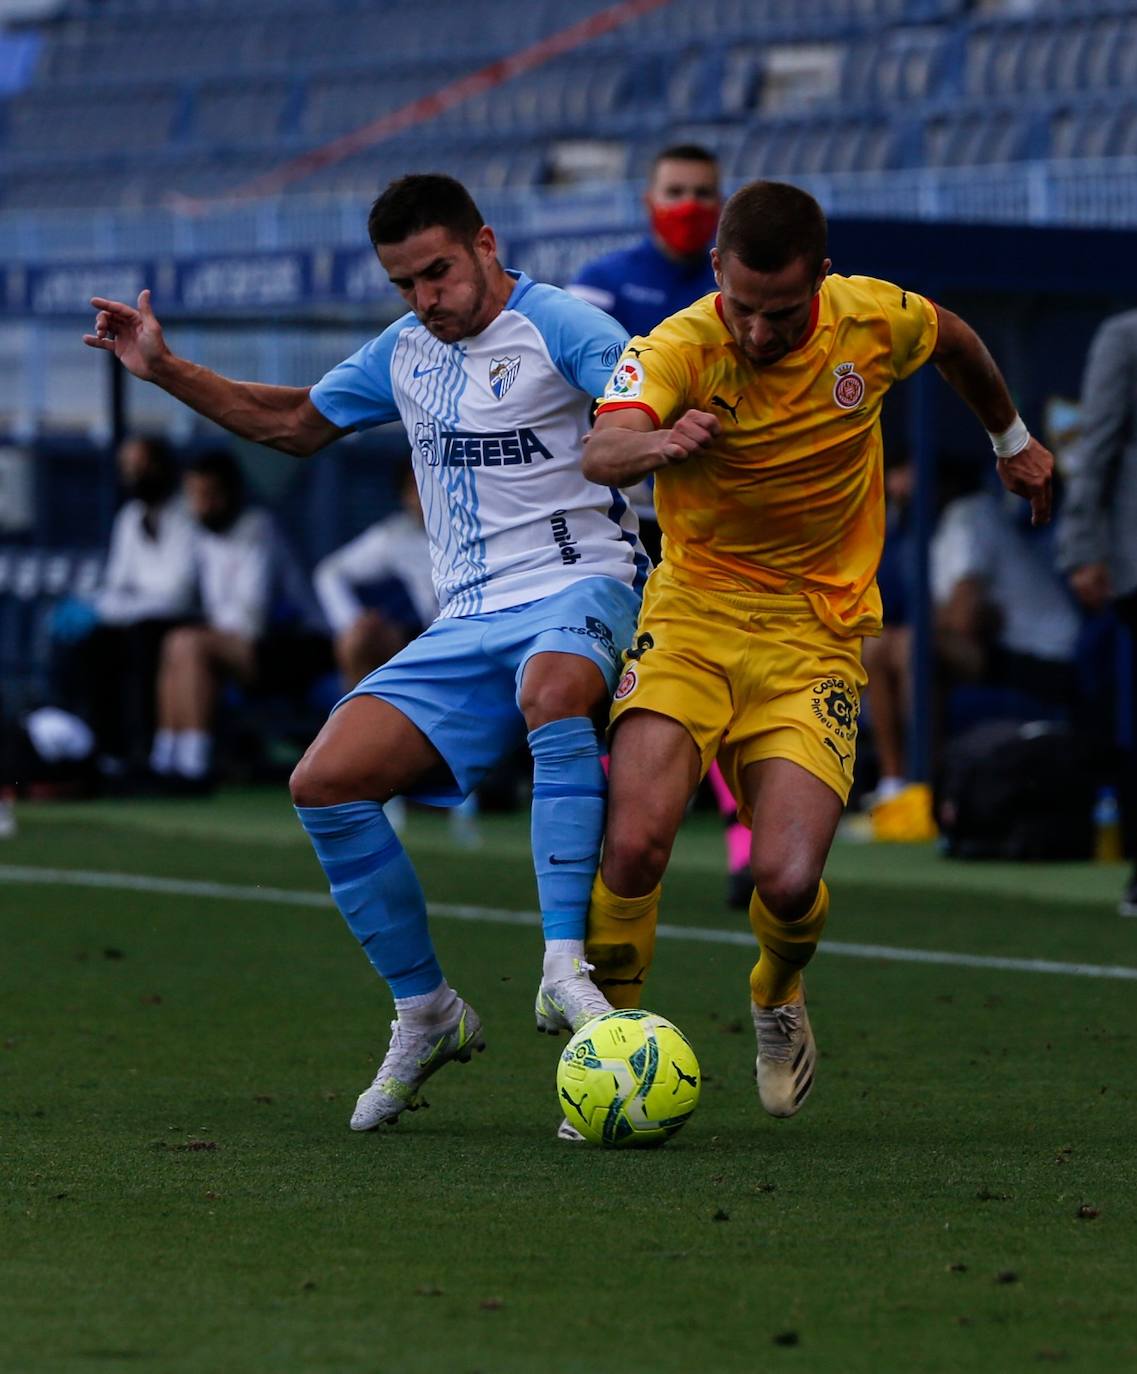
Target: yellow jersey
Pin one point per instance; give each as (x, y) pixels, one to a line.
(790, 497)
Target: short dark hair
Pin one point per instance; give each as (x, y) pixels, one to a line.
(160, 456)
(769, 224)
(423, 200)
(683, 152)
(220, 465)
(157, 447)
(158, 451)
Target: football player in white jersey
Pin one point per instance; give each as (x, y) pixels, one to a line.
(538, 574)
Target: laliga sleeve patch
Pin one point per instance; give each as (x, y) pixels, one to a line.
(626, 382)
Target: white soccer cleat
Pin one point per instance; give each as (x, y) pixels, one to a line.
(787, 1055)
(567, 1131)
(410, 1060)
(569, 1003)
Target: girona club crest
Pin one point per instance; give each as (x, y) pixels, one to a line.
(628, 682)
(849, 388)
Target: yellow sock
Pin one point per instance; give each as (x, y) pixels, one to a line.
(621, 942)
(786, 948)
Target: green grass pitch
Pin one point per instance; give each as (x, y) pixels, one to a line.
(181, 1192)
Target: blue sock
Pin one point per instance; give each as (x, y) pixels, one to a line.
(569, 795)
(377, 892)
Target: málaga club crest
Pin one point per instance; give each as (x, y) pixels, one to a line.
(503, 373)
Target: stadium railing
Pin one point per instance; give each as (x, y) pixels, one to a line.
(1077, 190)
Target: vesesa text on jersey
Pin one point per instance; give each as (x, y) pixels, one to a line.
(467, 448)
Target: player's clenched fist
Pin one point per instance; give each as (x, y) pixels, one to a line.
(691, 432)
(133, 335)
(1030, 474)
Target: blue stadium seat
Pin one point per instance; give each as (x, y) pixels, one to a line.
(1052, 57)
(901, 67)
(979, 135)
(692, 83)
(724, 140)
(892, 83)
(334, 105)
(240, 111)
(133, 121)
(823, 143)
(1093, 130)
(1066, 8)
(741, 81)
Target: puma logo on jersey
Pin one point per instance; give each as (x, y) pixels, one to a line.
(732, 410)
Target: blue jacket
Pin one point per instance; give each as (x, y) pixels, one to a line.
(640, 286)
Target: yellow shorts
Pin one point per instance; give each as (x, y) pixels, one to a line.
(749, 676)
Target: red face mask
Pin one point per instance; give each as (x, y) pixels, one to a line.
(686, 227)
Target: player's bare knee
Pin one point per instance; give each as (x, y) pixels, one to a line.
(182, 644)
(786, 888)
(556, 701)
(311, 784)
(634, 860)
(300, 785)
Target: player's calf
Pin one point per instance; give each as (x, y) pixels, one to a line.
(621, 942)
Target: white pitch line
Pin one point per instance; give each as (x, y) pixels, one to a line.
(185, 887)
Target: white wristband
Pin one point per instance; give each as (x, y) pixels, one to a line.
(1012, 440)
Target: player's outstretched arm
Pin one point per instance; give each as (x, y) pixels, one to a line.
(280, 416)
(1025, 466)
(625, 445)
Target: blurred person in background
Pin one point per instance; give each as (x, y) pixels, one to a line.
(901, 810)
(247, 584)
(886, 696)
(377, 594)
(668, 270)
(1097, 536)
(1004, 619)
(393, 550)
(148, 588)
(671, 266)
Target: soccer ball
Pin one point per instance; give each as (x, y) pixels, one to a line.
(628, 1078)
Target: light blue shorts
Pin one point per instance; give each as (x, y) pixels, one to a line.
(459, 680)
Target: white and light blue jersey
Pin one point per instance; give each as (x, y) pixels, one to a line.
(496, 424)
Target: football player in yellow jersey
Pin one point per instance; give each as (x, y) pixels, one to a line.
(758, 411)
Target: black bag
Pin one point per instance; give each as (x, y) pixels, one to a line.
(1018, 790)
